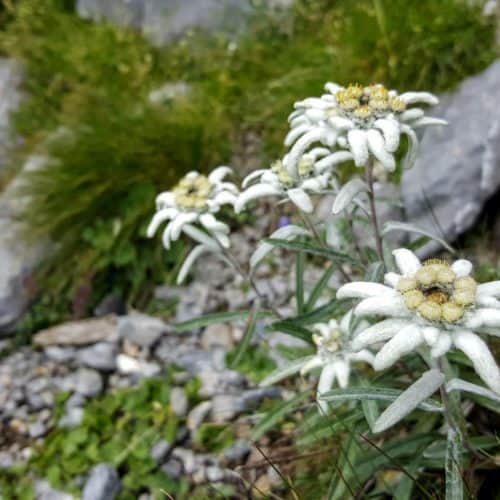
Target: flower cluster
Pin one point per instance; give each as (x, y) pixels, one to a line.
(431, 303)
(195, 199)
(334, 354)
(367, 121)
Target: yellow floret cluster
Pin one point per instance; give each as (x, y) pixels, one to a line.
(367, 102)
(193, 192)
(436, 293)
(305, 167)
(330, 344)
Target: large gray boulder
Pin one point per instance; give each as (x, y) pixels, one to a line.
(459, 165)
(164, 20)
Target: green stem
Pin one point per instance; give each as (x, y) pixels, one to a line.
(373, 210)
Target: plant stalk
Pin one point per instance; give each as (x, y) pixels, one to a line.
(373, 209)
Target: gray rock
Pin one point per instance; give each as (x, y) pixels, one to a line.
(225, 407)
(238, 453)
(6, 460)
(179, 401)
(127, 365)
(172, 468)
(187, 458)
(164, 20)
(253, 397)
(60, 354)
(18, 259)
(161, 450)
(103, 483)
(141, 329)
(87, 382)
(77, 333)
(198, 414)
(75, 400)
(100, 356)
(220, 382)
(217, 335)
(72, 418)
(43, 491)
(458, 168)
(37, 429)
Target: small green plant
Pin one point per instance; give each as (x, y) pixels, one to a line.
(119, 428)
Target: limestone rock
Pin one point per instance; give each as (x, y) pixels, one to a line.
(103, 483)
(77, 332)
(459, 165)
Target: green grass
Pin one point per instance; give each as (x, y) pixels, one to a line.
(86, 107)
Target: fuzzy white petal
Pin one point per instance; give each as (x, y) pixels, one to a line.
(358, 144)
(159, 218)
(492, 288)
(363, 290)
(201, 237)
(332, 160)
(332, 87)
(254, 192)
(442, 345)
(428, 121)
(431, 335)
(407, 262)
(377, 146)
(411, 114)
(415, 97)
(212, 224)
(392, 279)
(341, 123)
(461, 267)
(295, 133)
(166, 237)
(252, 176)
(325, 383)
(483, 317)
(299, 148)
(179, 221)
(219, 173)
(379, 332)
(388, 305)
(223, 198)
(301, 199)
(314, 362)
(413, 146)
(363, 355)
(404, 342)
(391, 132)
(347, 194)
(165, 199)
(222, 238)
(189, 261)
(482, 359)
(315, 184)
(342, 371)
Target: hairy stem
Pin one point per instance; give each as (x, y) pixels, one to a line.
(373, 209)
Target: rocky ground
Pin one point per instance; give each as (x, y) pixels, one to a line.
(87, 359)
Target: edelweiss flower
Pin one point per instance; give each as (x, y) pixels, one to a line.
(334, 355)
(195, 199)
(431, 303)
(368, 121)
(312, 176)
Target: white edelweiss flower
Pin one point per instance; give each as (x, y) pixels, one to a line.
(368, 121)
(334, 355)
(312, 176)
(431, 303)
(194, 201)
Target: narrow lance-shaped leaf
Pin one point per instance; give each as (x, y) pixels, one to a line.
(247, 337)
(347, 194)
(457, 384)
(314, 250)
(419, 391)
(376, 394)
(286, 233)
(291, 368)
(210, 319)
(319, 287)
(410, 228)
(299, 280)
(275, 415)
